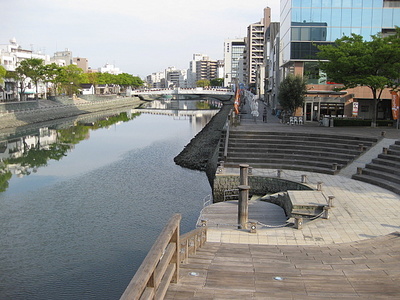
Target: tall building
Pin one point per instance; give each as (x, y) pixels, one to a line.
(254, 52)
(192, 71)
(305, 24)
(233, 60)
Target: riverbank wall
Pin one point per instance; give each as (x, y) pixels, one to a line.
(38, 111)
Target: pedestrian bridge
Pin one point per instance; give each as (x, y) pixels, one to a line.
(221, 94)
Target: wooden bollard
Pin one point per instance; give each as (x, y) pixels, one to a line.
(334, 166)
(361, 147)
(278, 174)
(253, 227)
(383, 133)
(203, 223)
(244, 174)
(359, 171)
(298, 222)
(319, 186)
(385, 150)
(243, 207)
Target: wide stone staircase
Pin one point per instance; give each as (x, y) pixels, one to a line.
(383, 171)
(312, 152)
(367, 269)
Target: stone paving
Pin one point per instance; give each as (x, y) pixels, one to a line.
(360, 210)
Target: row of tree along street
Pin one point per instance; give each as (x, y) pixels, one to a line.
(61, 80)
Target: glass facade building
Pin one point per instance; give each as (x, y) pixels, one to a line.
(308, 23)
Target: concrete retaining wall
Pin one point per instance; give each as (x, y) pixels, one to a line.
(258, 185)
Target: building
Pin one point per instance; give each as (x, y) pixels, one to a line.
(175, 78)
(63, 58)
(81, 63)
(233, 61)
(271, 64)
(111, 69)
(10, 57)
(306, 24)
(192, 71)
(254, 53)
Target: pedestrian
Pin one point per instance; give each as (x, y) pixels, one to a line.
(265, 115)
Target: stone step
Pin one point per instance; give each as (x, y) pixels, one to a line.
(316, 154)
(283, 142)
(386, 162)
(384, 168)
(299, 147)
(389, 157)
(286, 166)
(304, 136)
(299, 161)
(381, 182)
(248, 155)
(381, 175)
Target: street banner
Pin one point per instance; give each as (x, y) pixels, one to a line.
(355, 109)
(395, 105)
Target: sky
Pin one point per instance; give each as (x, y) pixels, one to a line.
(139, 37)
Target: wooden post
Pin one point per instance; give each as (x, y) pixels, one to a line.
(243, 207)
(175, 258)
(253, 227)
(279, 173)
(385, 150)
(319, 186)
(298, 223)
(244, 174)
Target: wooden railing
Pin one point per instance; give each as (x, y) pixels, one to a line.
(161, 265)
(192, 241)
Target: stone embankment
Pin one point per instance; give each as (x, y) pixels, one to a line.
(56, 111)
(199, 154)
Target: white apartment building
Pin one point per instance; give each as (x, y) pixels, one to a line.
(111, 69)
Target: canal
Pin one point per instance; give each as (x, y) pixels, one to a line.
(80, 206)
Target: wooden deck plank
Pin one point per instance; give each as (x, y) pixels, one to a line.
(239, 271)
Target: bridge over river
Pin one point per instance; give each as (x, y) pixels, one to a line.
(221, 94)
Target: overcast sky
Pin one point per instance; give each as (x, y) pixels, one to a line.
(139, 37)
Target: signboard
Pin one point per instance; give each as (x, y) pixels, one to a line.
(355, 109)
(395, 105)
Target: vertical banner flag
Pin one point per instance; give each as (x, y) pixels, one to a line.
(395, 105)
(355, 109)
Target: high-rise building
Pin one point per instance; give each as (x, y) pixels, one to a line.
(233, 59)
(305, 24)
(254, 51)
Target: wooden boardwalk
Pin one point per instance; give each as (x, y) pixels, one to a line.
(369, 269)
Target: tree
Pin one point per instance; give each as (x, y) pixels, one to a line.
(291, 92)
(354, 62)
(32, 68)
(203, 83)
(217, 82)
(70, 79)
(3, 73)
(51, 74)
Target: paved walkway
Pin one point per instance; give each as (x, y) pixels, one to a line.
(361, 210)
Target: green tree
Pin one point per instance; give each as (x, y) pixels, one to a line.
(291, 92)
(70, 79)
(51, 74)
(32, 68)
(217, 82)
(354, 62)
(3, 73)
(203, 83)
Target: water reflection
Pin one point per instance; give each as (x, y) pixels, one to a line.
(86, 202)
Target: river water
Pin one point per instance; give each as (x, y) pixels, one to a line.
(80, 207)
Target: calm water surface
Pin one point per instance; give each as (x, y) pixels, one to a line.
(79, 227)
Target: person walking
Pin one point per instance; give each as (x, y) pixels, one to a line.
(265, 115)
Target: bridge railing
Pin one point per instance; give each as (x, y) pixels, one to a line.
(161, 265)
